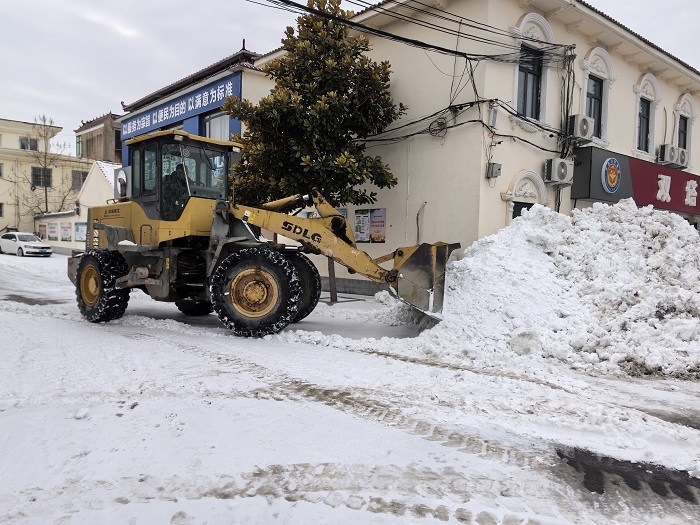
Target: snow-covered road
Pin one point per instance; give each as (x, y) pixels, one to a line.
(344, 418)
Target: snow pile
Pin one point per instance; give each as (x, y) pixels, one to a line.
(611, 289)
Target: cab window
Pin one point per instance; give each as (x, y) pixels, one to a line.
(150, 168)
(136, 173)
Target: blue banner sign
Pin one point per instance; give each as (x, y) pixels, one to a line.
(202, 100)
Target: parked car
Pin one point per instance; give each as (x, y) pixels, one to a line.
(22, 244)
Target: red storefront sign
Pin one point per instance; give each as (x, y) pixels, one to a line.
(664, 188)
(601, 175)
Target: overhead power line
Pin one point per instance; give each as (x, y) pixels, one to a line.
(550, 52)
(441, 14)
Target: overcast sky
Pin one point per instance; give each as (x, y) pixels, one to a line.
(75, 60)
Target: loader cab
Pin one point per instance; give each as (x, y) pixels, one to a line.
(168, 168)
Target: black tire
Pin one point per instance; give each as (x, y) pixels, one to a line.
(255, 292)
(20, 252)
(310, 285)
(98, 298)
(194, 308)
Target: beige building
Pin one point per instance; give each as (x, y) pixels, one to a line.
(34, 178)
(100, 139)
(511, 103)
(66, 230)
(545, 101)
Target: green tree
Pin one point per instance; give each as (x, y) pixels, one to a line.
(308, 132)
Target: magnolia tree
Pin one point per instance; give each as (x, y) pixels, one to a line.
(308, 132)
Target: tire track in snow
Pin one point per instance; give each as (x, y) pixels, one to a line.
(419, 492)
(367, 404)
(372, 406)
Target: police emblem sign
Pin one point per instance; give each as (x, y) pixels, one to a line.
(610, 175)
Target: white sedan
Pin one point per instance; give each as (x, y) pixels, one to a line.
(22, 244)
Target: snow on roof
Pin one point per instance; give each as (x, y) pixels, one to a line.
(55, 214)
(107, 168)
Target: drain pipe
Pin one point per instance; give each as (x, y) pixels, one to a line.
(418, 223)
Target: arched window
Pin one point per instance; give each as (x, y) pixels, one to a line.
(531, 79)
(647, 98)
(685, 117)
(526, 188)
(598, 77)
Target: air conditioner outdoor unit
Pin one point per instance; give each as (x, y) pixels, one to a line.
(559, 171)
(668, 155)
(581, 127)
(683, 158)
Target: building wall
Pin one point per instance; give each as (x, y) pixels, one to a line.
(625, 63)
(99, 142)
(447, 171)
(186, 109)
(70, 228)
(20, 199)
(254, 86)
(440, 161)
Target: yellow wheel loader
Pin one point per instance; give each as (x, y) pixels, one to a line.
(174, 234)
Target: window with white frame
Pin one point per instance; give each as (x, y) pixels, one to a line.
(594, 103)
(2, 210)
(28, 143)
(598, 77)
(216, 126)
(530, 90)
(78, 179)
(687, 114)
(41, 177)
(647, 100)
(683, 132)
(643, 128)
(529, 82)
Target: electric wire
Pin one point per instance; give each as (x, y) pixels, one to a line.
(560, 56)
(550, 53)
(394, 140)
(435, 27)
(440, 15)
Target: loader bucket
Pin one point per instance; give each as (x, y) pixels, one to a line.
(421, 276)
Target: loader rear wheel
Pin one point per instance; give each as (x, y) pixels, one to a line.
(98, 298)
(256, 292)
(310, 285)
(194, 308)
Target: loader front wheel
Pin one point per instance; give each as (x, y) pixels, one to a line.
(98, 298)
(256, 292)
(194, 308)
(310, 285)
